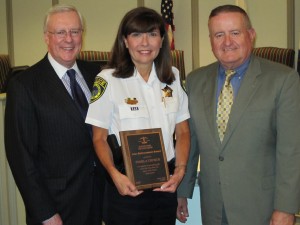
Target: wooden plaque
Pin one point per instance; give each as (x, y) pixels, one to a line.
(144, 157)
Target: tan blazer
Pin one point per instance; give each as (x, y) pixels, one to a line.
(257, 167)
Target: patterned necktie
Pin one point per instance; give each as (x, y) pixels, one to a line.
(225, 102)
(77, 93)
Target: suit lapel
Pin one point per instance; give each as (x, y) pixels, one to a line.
(54, 86)
(246, 92)
(209, 93)
(87, 77)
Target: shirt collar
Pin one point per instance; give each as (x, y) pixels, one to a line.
(240, 71)
(152, 76)
(60, 69)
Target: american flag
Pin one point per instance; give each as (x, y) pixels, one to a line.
(167, 14)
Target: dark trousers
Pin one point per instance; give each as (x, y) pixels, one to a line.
(149, 208)
(96, 210)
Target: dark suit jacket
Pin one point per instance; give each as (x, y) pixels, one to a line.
(49, 147)
(256, 168)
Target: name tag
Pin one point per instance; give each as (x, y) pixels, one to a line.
(134, 108)
(129, 111)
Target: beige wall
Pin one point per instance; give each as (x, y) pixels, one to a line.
(103, 17)
(297, 23)
(102, 20)
(3, 34)
(27, 18)
(206, 56)
(268, 17)
(297, 30)
(183, 27)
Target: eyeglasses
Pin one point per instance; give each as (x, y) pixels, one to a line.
(63, 33)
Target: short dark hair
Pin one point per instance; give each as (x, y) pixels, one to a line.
(231, 8)
(141, 19)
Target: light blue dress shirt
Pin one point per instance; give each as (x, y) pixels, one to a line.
(235, 81)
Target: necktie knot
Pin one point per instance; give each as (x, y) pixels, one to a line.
(71, 73)
(228, 75)
(77, 93)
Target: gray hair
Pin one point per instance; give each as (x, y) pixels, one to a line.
(231, 8)
(58, 9)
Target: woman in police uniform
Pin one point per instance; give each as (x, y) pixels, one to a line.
(139, 90)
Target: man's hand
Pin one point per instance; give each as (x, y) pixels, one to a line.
(54, 220)
(282, 218)
(182, 210)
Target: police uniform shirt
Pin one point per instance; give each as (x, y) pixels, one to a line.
(119, 104)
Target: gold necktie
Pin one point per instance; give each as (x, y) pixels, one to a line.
(225, 101)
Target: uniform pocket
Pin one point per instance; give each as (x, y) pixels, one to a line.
(170, 105)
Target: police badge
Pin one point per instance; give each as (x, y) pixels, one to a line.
(98, 88)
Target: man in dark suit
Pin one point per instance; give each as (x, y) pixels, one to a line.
(250, 171)
(48, 145)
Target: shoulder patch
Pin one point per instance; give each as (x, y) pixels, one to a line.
(98, 88)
